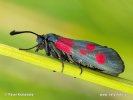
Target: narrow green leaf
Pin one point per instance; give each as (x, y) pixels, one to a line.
(53, 64)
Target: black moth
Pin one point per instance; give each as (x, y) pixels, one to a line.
(80, 52)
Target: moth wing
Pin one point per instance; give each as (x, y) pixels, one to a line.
(100, 57)
(92, 55)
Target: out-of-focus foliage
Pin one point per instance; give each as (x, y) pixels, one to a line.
(105, 22)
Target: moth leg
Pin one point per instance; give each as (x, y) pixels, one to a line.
(62, 65)
(47, 49)
(70, 58)
(77, 63)
(59, 56)
(29, 48)
(81, 69)
(52, 52)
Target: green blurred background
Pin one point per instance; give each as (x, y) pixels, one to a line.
(106, 22)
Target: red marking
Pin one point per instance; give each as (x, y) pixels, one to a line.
(100, 58)
(63, 47)
(90, 47)
(83, 52)
(68, 42)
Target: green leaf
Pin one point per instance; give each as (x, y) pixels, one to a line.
(53, 64)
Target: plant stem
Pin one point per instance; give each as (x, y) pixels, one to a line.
(53, 64)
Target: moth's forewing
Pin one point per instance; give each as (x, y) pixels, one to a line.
(88, 53)
(112, 63)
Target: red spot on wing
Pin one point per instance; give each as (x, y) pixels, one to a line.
(90, 47)
(100, 58)
(61, 46)
(83, 52)
(66, 41)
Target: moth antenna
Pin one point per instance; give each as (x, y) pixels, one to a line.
(29, 48)
(19, 32)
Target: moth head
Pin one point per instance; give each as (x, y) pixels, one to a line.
(40, 40)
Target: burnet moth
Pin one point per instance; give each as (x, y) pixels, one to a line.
(82, 53)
